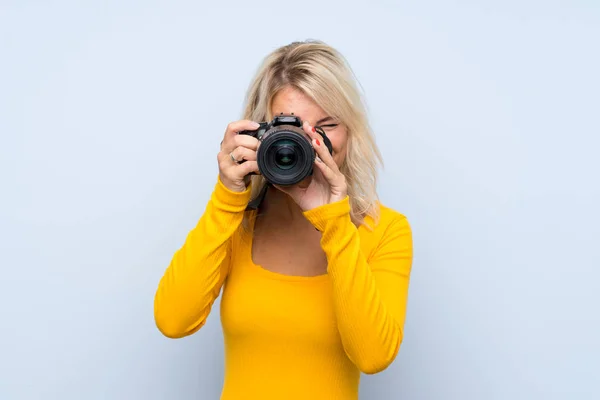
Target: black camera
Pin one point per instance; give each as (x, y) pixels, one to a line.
(285, 154)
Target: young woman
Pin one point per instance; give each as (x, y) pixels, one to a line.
(315, 276)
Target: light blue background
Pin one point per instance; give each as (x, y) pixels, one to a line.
(486, 113)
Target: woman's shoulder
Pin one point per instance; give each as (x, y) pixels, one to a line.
(391, 213)
(386, 217)
(388, 228)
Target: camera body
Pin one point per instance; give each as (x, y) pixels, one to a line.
(285, 153)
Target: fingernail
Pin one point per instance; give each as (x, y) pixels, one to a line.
(317, 140)
(313, 129)
(256, 124)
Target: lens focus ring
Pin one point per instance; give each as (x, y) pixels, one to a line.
(285, 157)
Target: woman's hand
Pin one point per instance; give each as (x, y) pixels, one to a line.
(234, 149)
(326, 185)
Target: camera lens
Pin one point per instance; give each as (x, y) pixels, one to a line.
(285, 155)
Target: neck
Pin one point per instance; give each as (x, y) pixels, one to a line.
(283, 208)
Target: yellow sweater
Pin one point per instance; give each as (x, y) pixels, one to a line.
(290, 337)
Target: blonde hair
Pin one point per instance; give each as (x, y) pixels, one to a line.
(322, 73)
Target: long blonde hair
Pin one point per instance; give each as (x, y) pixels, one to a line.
(322, 73)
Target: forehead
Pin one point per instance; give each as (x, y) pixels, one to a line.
(290, 100)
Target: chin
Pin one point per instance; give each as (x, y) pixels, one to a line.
(305, 182)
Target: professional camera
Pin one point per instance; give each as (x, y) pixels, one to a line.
(285, 154)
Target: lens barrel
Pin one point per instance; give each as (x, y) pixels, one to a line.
(285, 156)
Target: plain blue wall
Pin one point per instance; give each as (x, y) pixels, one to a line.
(487, 114)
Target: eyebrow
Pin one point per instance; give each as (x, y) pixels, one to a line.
(322, 120)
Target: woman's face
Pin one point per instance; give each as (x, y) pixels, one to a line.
(290, 100)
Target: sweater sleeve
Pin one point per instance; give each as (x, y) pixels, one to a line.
(370, 295)
(195, 275)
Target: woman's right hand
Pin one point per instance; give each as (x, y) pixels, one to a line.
(234, 149)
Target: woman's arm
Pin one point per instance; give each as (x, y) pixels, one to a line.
(370, 296)
(198, 269)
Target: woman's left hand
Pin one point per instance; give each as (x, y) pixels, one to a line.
(326, 185)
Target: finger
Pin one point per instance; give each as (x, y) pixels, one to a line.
(328, 173)
(243, 153)
(234, 127)
(248, 167)
(236, 141)
(318, 139)
(310, 130)
(245, 141)
(324, 154)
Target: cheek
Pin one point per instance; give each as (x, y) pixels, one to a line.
(339, 144)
